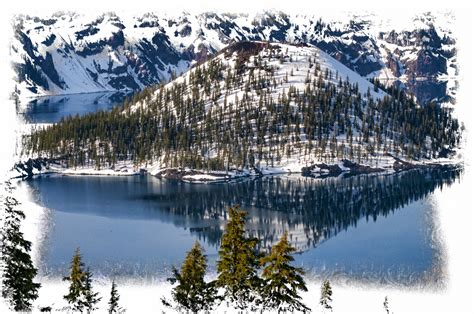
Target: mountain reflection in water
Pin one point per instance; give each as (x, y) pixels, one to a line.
(369, 227)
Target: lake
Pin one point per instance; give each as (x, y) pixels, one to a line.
(51, 109)
(365, 228)
(376, 229)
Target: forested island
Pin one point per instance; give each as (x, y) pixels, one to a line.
(254, 105)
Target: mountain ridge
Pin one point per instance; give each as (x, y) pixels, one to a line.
(73, 53)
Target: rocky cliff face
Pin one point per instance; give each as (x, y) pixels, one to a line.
(71, 53)
(420, 53)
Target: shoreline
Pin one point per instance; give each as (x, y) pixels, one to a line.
(39, 167)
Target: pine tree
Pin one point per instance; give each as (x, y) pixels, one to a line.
(385, 305)
(90, 298)
(281, 280)
(77, 281)
(326, 295)
(238, 262)
(113, 301)
(192, 293)
(18, 286)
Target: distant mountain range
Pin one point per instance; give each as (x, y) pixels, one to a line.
(73, 53)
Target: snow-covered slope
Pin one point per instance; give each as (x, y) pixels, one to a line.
(255, 107)
(73, 53)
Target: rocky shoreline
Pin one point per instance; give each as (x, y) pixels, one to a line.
(35, 167)
(346, 166)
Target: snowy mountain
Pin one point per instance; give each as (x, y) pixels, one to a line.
(72, 53)
(254, 107)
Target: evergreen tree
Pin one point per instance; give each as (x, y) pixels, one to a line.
(238, 262)
(192, 293)
(77, 281)
(326, 295)
(385, 305)
(281, 280)
(90, 298)
(18, 285)
(114, 298)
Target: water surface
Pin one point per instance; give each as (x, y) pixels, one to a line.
(51, 109)
(372, 228)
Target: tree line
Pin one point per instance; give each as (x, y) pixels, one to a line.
(246, 278)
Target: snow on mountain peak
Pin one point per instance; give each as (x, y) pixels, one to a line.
(73, 53)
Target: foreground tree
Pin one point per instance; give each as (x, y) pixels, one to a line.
(18, 285)
(281, 280)
(80, 296)
(326, 295)
(90, 298)
(192, 292)
(114, 299)
(238, 262)
(76, 282)
(385, 305)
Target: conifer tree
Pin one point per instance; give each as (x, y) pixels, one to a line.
(90, 298)
(281, 280)
(326, 295)
(18, 285)
(114, 299)
(192, 293)
(76, 282)
(385, 305)
(238, 262)
(80, 296)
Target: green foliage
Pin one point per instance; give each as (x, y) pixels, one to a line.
(80, 295)
(281, 280)
(326, 295)
(237, 268)
(192, 293)
(114, 299)
(18, 285)
(76, 282)
(238, 262)
(90, 298)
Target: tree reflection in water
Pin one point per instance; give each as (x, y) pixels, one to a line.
(312, 210)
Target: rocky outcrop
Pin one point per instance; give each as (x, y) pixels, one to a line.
(426, 64)
(34, 166)
(191, 175)
(348, 167)
(420, 51)
(394, 65)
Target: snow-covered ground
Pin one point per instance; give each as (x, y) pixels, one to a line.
(454, 215)
(91, 52)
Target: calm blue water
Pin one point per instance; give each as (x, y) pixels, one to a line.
(373, 228)
(365, 228)
(52, 108)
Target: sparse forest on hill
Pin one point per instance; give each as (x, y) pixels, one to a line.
(254, 104)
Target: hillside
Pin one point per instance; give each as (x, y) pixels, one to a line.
(73, 53)
(255, 106)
